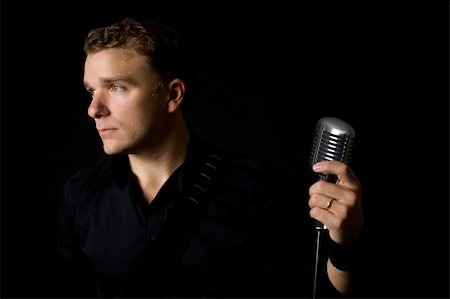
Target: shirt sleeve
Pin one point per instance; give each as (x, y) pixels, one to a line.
(73, 276)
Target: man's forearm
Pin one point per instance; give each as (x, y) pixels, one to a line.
(346, 282)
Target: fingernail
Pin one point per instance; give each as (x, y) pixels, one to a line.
(316, 166)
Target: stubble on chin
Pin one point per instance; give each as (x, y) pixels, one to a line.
(111, 149)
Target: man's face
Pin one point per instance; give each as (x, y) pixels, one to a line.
(130, 112)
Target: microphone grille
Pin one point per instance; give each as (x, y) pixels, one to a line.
(333, 141)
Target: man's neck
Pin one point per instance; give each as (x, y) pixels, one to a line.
(153, 169)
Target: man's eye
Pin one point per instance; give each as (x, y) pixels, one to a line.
(116, 88)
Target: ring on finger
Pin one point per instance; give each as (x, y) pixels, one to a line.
(329, 204)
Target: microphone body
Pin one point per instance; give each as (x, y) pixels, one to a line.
(333, 141)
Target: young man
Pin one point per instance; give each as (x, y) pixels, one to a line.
(167, 215)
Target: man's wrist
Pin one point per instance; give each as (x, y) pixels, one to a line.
(347, 257)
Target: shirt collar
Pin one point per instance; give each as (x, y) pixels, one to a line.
(120, 171)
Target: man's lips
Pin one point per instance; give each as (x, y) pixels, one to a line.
(106, 131)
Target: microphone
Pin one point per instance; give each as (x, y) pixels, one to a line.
(333, 141)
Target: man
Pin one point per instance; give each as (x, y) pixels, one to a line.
(168, 215)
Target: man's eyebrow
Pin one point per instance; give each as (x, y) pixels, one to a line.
(109, 80)
(117, 79)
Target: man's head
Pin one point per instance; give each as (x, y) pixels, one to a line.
(166, 50)
(136, 74)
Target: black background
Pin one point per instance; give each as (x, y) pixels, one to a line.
(268, 71)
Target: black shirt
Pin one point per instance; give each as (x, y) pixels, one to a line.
(255, 239)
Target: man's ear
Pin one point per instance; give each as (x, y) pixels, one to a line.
(176, 95)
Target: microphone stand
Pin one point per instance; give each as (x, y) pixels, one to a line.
(321, 233)
(316, 263)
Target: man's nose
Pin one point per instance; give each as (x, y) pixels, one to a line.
(98, 108)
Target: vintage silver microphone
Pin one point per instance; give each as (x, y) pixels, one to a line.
(333, 141)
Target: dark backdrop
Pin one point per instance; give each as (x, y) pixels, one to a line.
(268, 71)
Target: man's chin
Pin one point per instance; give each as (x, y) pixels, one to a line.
(109, 150)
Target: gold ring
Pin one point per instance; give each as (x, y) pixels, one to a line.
(329, 204)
